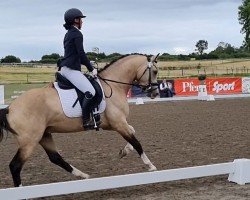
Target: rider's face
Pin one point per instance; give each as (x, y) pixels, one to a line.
(79, 22)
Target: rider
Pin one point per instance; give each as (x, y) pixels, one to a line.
(74, 56)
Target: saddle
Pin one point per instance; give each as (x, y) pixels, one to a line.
(65, 84)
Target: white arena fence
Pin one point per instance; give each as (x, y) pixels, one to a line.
(238, 170)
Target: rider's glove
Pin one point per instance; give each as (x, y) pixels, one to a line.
(94, 72)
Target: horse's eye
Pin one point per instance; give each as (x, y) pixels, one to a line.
(155, 72)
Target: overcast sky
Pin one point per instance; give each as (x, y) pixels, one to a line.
(30, 29)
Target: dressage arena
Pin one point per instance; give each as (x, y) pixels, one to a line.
(174, 134)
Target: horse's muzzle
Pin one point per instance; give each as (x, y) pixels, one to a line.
(153, 93)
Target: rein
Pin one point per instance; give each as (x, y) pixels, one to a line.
(147, 87)
(119, 82)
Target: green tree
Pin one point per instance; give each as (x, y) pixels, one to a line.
(10, 59)
(96, 56)
(225, 48)
(113, 56)
(52, 58)
(244, 20)
(201, 45)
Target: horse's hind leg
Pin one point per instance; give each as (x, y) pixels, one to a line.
(18, 161)
(127, 133)
(48, 144)
(125, 151)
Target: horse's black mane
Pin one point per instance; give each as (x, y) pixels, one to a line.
(123, 56)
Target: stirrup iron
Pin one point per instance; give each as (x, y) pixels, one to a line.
(94, 120)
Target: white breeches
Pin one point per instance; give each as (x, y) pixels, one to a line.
(78, 79)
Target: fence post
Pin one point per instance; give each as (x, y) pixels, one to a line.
(241, 173)
(1, 94)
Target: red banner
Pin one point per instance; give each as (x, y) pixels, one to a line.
(224, 86)
(188, 87)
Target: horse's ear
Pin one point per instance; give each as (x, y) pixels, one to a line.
(153, 59)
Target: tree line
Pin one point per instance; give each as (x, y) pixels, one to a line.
(223, 51)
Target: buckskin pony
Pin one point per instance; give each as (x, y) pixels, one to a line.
(37, 113)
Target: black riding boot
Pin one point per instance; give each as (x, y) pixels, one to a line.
(87, 121)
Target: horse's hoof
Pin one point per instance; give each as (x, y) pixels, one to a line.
(86, 176)
(122, 153)
(78, 173)
(152, 168)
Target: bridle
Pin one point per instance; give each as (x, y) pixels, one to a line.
(145, 88)
(148, 88)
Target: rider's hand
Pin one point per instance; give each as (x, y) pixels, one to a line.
(94, 72)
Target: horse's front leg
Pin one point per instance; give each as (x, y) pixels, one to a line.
(128, 148)
(127, 132)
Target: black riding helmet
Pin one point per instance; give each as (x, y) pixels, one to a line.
(71, 14)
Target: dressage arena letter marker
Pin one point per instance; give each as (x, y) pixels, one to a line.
(139, 101)
(202, 92)
(210, 97)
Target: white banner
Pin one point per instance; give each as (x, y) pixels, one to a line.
(1, 94)
(246, 85)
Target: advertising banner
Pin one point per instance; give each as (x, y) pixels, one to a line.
(190, 87)
(1, 94)
(186, 87)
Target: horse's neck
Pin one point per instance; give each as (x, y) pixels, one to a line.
(122, 72)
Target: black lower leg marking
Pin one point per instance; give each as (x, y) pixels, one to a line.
(134, 142)
(57, 159)
(15, 168)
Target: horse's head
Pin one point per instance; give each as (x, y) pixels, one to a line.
(147, 77)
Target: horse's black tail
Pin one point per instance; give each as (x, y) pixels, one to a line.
(3, 121)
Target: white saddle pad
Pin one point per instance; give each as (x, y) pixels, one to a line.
(68, 98)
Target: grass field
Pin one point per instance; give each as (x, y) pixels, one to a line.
(11, 91)
(221, 64)
(22, 74)
(230, 67)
